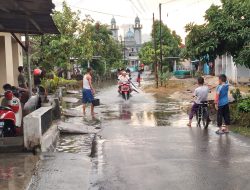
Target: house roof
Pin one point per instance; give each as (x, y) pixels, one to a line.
(27, 16)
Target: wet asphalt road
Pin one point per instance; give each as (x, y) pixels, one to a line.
(144, 144)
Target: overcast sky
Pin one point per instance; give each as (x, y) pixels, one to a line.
(175, 13)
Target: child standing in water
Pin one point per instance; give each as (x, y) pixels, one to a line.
(222, 105)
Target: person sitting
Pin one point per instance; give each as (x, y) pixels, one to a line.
(201, 95)
(123, 78)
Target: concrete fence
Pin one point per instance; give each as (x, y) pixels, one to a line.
(38, 130)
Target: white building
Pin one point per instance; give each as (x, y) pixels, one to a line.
(237, 74)
(11, 58)
(132, 41)
(114, 29)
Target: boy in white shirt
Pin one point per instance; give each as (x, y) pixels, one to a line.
(201, 94)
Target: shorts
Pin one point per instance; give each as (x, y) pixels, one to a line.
(223, 113)
(194, 109)
(87, 96)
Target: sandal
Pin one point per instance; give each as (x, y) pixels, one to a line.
(219, 132)
(225, 130)
(189, 125)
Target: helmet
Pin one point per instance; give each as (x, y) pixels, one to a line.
(37, 72)
(8, 95)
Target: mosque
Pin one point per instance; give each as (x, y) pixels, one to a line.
(131, 42)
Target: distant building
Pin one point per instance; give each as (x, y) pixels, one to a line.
(132, 41)
(114, 29)
(10, 59)
(235, 73)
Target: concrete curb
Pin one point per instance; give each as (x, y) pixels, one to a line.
(49, 139)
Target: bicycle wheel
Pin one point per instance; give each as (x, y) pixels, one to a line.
(205, 117)
(198, 118)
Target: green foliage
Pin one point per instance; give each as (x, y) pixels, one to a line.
(147, 53)
(244, 105)
(170, 45)
(79, 39)
(164, 77)
(238, 117)
(236, 94)
(198, 74)
(226, 31)
(199, 42)
(51, 85)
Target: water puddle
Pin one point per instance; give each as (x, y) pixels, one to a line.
(16, 170)
(75, 144)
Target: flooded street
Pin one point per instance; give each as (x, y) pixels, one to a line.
(16, 170)
(141, 144)
(145, 145)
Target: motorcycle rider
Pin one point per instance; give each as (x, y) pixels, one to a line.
(123, 79)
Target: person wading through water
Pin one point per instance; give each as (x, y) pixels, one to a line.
(88, 92)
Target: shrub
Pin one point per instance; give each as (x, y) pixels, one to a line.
(236, 94)
(244, 105)
(51, 85)
(164, 77)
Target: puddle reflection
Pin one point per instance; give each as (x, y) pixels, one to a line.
(16, 170)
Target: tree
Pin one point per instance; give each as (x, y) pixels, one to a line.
(56, 50)
(79, 39)
(200, 42)
(226, 31)
(146, 53)
(170, 45)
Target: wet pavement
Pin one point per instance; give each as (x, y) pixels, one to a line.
(16, 170)
(143, 144)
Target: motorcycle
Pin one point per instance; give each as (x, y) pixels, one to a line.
(125, 90)
(8, 117)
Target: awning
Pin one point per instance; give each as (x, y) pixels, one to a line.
(27, 16)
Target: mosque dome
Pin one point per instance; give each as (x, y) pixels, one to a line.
(137, 20)
(130, 34)
(113, 21)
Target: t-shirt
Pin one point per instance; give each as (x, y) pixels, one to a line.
(222, 91)
(201, 94)
(123, 79)
(21, 80)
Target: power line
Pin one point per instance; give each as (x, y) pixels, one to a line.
(106, 13)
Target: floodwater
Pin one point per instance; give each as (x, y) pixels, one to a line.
(141, 110)
(139, 144)
(16, 170)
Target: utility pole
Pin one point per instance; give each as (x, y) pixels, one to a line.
(155, 57)
(124, 50)
(160, 38)
(28, 62)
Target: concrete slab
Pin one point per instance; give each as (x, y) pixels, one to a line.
(70, 100)
(73, 92)
(72, 113)
(74, 128)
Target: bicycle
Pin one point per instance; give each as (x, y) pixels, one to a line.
(202, 114)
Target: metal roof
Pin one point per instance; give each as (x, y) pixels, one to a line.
(27, 16)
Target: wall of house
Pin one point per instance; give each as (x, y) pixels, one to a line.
(243, 74)
(10, 59)
(17, 57)
(237, 74)
(2, 62)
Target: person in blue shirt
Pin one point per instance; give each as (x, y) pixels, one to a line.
(222, 105)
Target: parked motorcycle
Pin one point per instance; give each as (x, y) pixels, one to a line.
(7, 115)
